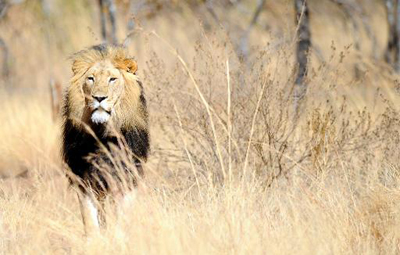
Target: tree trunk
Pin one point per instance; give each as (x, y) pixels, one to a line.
(103, 11)
(302, 50)
(112, 12)
(3, 46)
(393, 49)
(108, 7)
(5, 71)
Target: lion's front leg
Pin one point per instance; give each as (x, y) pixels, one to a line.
(90, 212)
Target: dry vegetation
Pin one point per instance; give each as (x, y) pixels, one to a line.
(232, 169)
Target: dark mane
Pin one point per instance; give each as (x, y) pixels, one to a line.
(79, 145)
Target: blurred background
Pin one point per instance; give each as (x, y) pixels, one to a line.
(332, 49)
(329, 49)
(39, 35)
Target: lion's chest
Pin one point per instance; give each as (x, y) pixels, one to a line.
(79, 145)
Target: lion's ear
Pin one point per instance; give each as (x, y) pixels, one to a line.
(130, 65)
(79, 66)
(75, 66)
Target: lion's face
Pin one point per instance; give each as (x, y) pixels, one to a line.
(103, 86)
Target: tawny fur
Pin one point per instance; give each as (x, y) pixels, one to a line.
(129, 112)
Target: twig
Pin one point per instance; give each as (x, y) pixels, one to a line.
(253, 122)
(187, 151)
(229, 122)
(204, 101)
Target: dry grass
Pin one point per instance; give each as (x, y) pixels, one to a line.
(232, 171)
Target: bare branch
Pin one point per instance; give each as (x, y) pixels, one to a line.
(134, 7)
(210, 9)
(244, 41)
(351, 9)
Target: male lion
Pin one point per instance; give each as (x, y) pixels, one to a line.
(103, 103)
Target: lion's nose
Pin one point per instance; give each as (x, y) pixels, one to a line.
(99, 98)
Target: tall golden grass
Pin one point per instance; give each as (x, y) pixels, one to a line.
(233, 170)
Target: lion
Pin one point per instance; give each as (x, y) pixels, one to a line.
(103, 102)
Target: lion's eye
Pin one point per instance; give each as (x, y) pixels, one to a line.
(112, 79)
(90, 78)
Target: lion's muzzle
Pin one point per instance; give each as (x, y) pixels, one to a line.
(101, 110)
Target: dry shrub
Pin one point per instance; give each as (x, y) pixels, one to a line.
(329, 129)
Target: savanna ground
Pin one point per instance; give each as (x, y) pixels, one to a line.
(232, 170)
